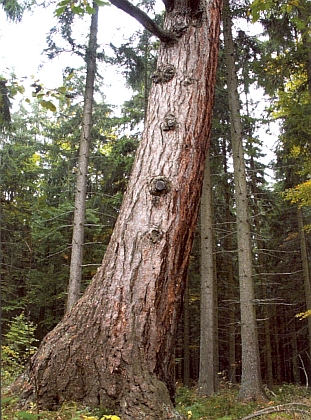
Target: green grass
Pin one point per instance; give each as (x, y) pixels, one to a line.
(222, 406)
(225, 406)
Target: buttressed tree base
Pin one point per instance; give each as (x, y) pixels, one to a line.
(115, 348)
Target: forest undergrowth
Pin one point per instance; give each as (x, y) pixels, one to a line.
(287, 402)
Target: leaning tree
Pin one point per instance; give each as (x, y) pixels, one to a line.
(115, 348)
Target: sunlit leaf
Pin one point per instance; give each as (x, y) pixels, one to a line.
(77, 10)
(70, 76)
(304, 315)
(101, 3)
(90, 10)
(26, 415)
(59, 11)
(48, 105)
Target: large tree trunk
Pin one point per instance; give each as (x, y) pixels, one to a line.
(115, 348)
(251, 379)
(75, 275)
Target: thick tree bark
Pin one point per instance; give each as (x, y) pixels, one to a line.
(115, 348)
(208, 363)
(75, 276)
(251, 378)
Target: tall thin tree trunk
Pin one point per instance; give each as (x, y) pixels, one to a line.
(251, 380)
(304, 14)
(294, 348)
(276, 325)
(306, 40)
(231, 295)
(75, 276)
(267, 335)
(306, 275)
(216, 315)
(115, 348)
(261, 264)
(231, 298)
(207, 302)
(186, 335)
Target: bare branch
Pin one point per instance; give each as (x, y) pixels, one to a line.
(291, 407)
(145, 20)
(304, 371)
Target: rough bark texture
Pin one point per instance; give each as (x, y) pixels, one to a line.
(74, 285)
(251, 379)
(115, 348)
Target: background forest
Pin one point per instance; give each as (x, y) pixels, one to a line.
(39, 158)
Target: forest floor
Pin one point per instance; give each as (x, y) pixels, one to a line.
(287, 402)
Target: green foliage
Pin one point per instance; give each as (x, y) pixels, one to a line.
(221, 405)
(38, 173)
(14, 9)
(39, 164)
(26, 415)
(259, 6)
(224, 405)
(18, 347)
(300, 194)
(138, 59)
(11, 86)
(78, 7)
(68, 411)
(5, 116)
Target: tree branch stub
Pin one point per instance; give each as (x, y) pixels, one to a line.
(159, 185)
(163, 74)
(169, 122)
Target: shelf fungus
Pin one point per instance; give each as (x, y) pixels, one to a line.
(159, 185)
(169, 122)
(163, 74)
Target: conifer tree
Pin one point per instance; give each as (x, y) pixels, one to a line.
(116, 346)
(251, 376)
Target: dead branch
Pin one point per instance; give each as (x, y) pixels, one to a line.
(289, 408)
